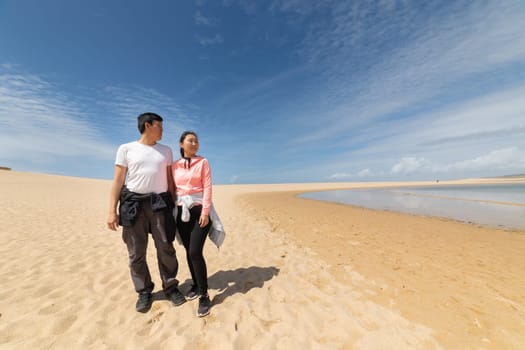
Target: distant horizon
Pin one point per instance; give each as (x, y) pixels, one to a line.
(518, 176)
(280, 91)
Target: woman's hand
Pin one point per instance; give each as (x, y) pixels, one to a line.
(203, 220)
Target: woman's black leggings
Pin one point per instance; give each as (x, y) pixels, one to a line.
(193, 237)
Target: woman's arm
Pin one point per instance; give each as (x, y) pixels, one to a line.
(206, 193)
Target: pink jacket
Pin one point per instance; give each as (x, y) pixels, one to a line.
(195, 179)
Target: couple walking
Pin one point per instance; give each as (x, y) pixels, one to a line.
(146, 200)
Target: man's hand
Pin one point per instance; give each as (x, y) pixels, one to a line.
(113, 221)
(114, 194)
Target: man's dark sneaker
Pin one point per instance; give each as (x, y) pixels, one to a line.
(176, 296)
(144, 302)
(204, 305)
(193, 293)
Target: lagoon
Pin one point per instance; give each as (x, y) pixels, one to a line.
(496, 205)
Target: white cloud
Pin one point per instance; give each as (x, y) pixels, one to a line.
(507, 158)
(42, 127)
(365, 173)
(409, 165)
(339, 176)
(452, 134)
(437, 54)
(499, 115)
(448, 97)
(129, 102)
(503, 161)
(38, 122)
(200, 19)
(213, 40)
(455, 132)
(259, 89)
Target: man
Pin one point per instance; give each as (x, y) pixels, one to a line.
(145, 206)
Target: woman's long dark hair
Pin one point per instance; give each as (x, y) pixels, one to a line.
(187, 164)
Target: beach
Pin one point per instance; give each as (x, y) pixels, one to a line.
(292, 273)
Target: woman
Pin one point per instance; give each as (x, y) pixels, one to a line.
(192, 177)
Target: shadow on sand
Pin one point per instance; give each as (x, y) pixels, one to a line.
(228, 283)
(241, 280)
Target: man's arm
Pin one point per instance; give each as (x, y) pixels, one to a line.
(171, 184)
(114, 195)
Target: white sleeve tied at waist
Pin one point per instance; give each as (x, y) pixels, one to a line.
(216, 233)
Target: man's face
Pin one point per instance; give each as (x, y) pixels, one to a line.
(155, 130)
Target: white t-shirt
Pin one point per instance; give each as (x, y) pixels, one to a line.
(147, 166)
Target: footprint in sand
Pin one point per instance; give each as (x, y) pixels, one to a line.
(156, 317)
(50, 309)
(62, 324)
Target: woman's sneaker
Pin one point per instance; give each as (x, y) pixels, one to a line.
(193, 293)
(204, 305)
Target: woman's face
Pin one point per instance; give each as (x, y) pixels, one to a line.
(190, 145)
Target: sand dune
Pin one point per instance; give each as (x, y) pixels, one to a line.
(65, 281)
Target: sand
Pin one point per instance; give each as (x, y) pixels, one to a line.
(292, 273)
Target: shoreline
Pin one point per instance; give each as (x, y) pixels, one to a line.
(432, 270)
(495, 213)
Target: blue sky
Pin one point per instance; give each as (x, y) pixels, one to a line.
(278, 90)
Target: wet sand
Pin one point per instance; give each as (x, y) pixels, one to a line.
(473, 206)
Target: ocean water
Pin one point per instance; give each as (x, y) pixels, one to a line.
(497, 205)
